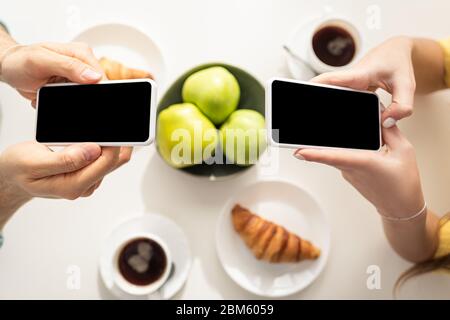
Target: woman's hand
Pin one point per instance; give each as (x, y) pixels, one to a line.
(27, 68)
(389, 67)
(389, 179)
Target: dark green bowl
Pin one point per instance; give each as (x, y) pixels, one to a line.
(252, 97)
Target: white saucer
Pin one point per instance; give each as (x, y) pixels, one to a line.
(299, 37)
(162, 227)
(290, 206)
(127, 45)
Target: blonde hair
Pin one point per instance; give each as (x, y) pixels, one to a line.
(441, 263)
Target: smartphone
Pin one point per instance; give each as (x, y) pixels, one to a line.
(308, 115)
(110, 113)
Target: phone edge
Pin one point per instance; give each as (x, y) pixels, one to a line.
(152, 120)
(268, 114)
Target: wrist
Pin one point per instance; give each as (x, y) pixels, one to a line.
(406, 42)
(402, 45)
(6, 44)
(401, 218)
(6, 41)
(12, 197)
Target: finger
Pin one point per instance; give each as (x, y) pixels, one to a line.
(88, 176)
(394, 139)
(341, 159)
(98, 184)
(354, 79)
(29, 95)
(124, 156)
(78, 50)
(403, 90)
(57, 79)
(70, 159)
(89, 191)
(92, 189)
(54, 64)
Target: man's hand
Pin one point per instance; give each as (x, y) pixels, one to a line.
(74, 172)
(27, 68)
(30, 170)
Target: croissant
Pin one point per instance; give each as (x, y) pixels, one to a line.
(115, 70)
(269, 241)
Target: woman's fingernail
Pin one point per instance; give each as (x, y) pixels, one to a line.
(389, 123)
(89, 74)
(299, 156)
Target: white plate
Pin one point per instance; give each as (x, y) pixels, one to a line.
(127, 45)
(290, 206)
(162, 227)
(298, 42)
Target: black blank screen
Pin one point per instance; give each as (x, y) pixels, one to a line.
(326, 117)
(110, 112)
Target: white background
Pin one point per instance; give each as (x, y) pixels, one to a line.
(48, 236)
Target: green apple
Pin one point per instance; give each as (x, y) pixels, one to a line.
(243, 137)
(215, 91)
(185, 136)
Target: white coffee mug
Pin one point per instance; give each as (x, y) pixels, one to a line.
(318, 65)
(139, 290)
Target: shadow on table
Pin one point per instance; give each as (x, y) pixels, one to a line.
(194, 204)
(105, 293)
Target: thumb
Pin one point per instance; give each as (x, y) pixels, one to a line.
(354, 79)
(71, 159)
(71, 68)
(403, 91)
(394, 139)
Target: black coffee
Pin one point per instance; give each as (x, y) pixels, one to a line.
(142, 261)
(334, 46)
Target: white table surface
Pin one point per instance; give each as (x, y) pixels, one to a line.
(48, 236)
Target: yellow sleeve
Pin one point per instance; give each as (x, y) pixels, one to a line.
(444, 238)
(445, 44)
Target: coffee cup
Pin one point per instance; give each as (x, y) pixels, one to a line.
(333, 44)
(142, 264)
